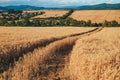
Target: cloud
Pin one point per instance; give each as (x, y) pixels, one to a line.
(4, 1)
(110, 1)
(48, 3)
(68, 1)
(59, 1)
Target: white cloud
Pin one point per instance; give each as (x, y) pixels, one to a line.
(69, 1)
(56, 2)
(13, 0)
(110, 1)
(5, 0)
(60, 1)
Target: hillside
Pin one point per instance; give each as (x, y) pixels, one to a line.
(22, 7)
(103, 6)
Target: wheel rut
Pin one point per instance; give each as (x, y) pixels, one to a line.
(57, 63)
(52, 68)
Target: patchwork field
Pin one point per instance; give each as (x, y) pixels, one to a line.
(52, 13)
(97, 16)
(59, 53)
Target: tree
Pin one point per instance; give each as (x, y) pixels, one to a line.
(18, 12)
(12, 23)
(36, 22)
(114, 23)
(105, 23)
(88, 23)
(3, 22)
(11, 11)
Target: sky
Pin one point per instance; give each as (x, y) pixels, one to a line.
(55, 3)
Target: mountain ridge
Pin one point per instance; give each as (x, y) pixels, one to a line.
(103, 6)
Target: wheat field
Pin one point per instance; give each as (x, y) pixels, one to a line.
(52, 13)
(97, 16)
(59, 53)
(15, 35)
(25, 49)
(97, 57)
(31, 11)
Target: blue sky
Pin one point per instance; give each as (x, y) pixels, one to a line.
(55, 3)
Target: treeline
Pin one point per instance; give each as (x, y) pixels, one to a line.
(65, 20)
(59, 22)
(67, 14)
(12, 14)
(60, 17)
(113, 23)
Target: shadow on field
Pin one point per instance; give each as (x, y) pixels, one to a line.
(55, 62)
(9, 57)
(14, 52)
(53, 68)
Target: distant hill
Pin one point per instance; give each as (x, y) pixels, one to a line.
(103, 6)
(22, 7)
(3, 8)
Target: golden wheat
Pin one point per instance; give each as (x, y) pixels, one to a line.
(97, 16)
(29, 66)
(18, 35)
(17, 49)
(97, 57)
(34, 66)
(52, 13)
(47, 56)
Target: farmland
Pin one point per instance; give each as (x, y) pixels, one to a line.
(65, 52)
(52, 13)
(97, 16)
(97, 57)
(19, 41)
(43, 18)
(35, 55)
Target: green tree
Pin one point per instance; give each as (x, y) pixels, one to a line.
(114, 23)
(88, 23)
(11, 11)
(105, 23)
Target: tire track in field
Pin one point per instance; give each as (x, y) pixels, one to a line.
(54, 57)
(60, 57)
(14, 52)
(4, 66)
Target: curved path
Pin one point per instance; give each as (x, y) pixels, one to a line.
(57, 62)
(58, 55)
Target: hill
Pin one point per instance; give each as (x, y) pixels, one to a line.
(22, 7)
(3, 8)
(103, 6)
